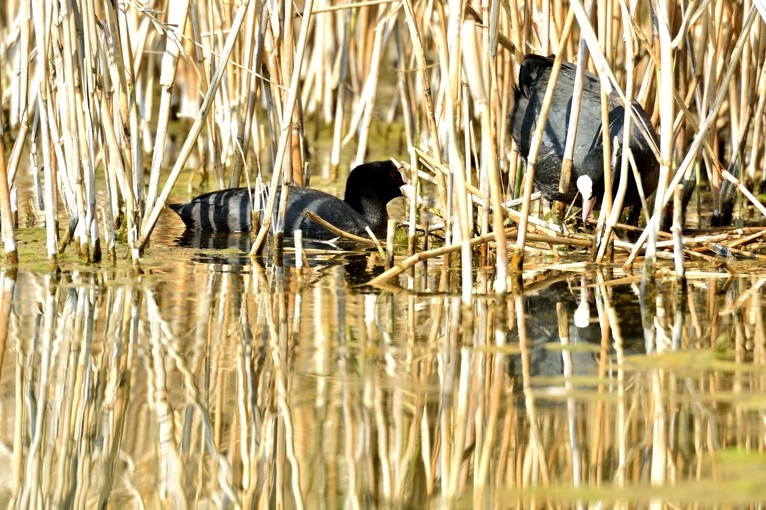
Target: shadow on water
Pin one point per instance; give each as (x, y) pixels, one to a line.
(259, 386)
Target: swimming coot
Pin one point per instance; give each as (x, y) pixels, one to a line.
(587, 161)
(369, 188)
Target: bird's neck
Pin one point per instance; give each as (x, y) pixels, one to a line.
(373, 211)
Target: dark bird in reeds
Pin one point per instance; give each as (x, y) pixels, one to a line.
(369, 188)
(587, 161)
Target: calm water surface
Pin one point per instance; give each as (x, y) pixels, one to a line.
(206, 383)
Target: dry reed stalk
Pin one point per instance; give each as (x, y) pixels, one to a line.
(292, 165)
(251, 55)
(756, 149)
(383, 28)
(579, 84)
(335, 230)
(340, 85)
(410, 261)
(413, 209)
(662, 199)
(78, 168)
(21, 105)
(748, 238)
(42, 98)
(109, 235)
(87, 120)
(118, 23)
(213, 140)
(285, 133)
(151, 219)
(605, 47)
(517, 257)
(20, 80)
(6, 215)
(419, 54)
(118, 177)
(19, 143)
(450, 44)
(404, 86)
(178, 13)
(678, 229)
(390, 236)
(283, 67)
(118, 85)
(613, 205)
(665, 87)
(488, 153)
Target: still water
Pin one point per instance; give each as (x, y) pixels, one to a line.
(205, 382)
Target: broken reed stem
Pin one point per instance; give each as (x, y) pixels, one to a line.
(335, 230)
(413, 206)
(298, 239)
(404, 265)
(574, 115)
(678, 229)
(390, 235)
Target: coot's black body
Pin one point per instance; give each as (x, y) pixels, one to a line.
(369, 188)
(588, 154)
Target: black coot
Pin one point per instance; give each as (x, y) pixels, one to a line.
(369, 188)
(587, 161)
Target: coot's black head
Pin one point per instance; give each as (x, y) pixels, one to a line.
(370, 186)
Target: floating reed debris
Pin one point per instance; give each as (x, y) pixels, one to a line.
(90, 93)
(335, 230)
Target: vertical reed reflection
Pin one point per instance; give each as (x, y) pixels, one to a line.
(230, 386)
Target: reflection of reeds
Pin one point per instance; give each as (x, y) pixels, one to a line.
(255, 391)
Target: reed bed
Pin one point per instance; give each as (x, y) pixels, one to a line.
(90, 91)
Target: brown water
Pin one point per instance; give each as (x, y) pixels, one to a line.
(203, 383)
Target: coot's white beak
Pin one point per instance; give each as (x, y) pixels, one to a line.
(585, 187)
(408, 190)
